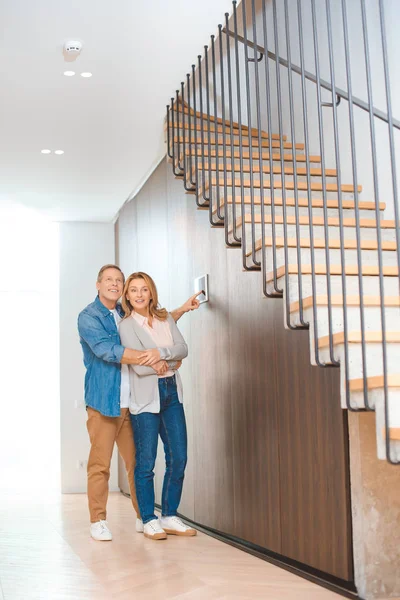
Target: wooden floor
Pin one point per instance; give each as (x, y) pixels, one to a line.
(46, 554)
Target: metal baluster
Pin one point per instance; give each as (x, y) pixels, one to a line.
(260, 157)
(377, 211)
(169, 151)
(308, 175)
(394, 181)
(357, 219)
(210, 186)
(239, 105)
(218, 191)
(187, 187)
(203, 171)
(277, 292)
(196, 146)
(190, 155)
(225, 217)
(281, 148)
(175, 171)
(303, 324)
(333, 361)
(235, 236)
(179, 133)
(252, 211)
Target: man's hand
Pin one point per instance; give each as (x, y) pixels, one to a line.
(178, 365)
(161, 367)
(150, 357)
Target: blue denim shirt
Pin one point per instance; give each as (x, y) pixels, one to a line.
(102, 354)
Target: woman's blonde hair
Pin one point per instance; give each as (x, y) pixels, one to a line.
(154, 308)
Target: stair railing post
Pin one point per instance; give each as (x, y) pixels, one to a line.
(377, 212)
(235, 235)
(357, 220)
(333, 361)
(239, 108)
(254, 260)
(276, 290)
(224, 150)
(178, 127)
(219, 222)
(308, 177)
(203, 171)
(196, 145)
(175, 170)
(303, 324)
(394, 183)
(187, 186)
(192, 184)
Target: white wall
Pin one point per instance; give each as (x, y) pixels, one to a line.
(84, 248)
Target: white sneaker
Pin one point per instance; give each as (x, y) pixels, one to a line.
(139, 526)
(154, 531)
(175, 526)
(100, 532)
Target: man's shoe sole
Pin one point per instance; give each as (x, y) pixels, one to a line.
(189, 533)
(156, 536)
(100, 540)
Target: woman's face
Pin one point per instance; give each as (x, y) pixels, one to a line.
(139, 295)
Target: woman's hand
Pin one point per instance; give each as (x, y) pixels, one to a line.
(178, 365)
(150, 357)
(161, 367)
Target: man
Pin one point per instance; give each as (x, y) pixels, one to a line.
(107, 392)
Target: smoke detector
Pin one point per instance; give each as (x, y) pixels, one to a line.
(72, 49)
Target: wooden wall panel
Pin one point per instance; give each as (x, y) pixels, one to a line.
(268, 446)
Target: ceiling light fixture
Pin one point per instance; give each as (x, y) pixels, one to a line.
(69, 73)
(46, 151)
(86, 75)
(59, 152)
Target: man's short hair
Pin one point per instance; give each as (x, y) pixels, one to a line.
(100, 274)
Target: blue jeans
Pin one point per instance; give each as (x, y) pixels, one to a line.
(171, 425)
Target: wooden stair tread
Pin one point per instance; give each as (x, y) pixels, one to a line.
(289, 185)
(303, 202)
(394, 433)
(219, 129)
(245, 143)
(301, 171)
(373, 383)
(319, 221)
(255, 155)
(355, 337)
(211, 117)
(352, 270)
(351, 300)
(319, 244)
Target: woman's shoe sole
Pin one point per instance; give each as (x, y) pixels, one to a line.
(190, 533)
(156, 536)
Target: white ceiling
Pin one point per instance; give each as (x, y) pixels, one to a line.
(110, 126)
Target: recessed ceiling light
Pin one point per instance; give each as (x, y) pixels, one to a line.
(86, 74)
(46, 151)
(59, 152)
(69, 73)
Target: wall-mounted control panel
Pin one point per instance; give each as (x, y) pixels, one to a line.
(201, 285)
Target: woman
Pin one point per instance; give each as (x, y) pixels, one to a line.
(156, 403)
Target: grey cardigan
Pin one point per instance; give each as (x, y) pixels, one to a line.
(145, 396)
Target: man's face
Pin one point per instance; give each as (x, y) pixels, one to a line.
(111, 285)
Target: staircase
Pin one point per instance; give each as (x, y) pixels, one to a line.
(317, 241)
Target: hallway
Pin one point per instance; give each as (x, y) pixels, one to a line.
(46, 554)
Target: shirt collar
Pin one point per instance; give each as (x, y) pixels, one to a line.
(106, 311)
(139, 318)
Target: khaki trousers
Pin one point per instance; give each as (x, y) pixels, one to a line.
(103, 433)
